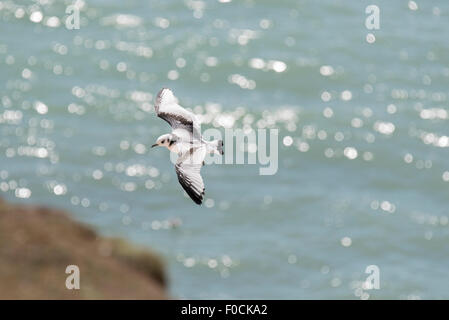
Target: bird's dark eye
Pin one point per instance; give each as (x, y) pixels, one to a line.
(163, 141)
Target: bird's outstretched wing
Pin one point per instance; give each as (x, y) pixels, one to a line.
(190, 179)
(167, 108)
(188, 169)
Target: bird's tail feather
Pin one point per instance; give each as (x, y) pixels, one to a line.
(215, 146)
(220, 146)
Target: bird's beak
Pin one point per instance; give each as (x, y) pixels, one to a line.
(154, 145)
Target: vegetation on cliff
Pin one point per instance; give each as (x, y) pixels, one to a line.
(37, 244)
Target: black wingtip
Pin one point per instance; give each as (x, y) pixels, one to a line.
(197, 198)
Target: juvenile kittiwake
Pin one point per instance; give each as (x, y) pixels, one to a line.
(185, 140)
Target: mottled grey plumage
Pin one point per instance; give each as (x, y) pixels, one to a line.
(167, 108)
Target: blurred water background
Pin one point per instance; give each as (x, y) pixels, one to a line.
(363, 173)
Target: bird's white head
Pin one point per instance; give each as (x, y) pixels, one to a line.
(164, 141)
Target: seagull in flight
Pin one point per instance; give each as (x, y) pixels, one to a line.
(185, 140)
